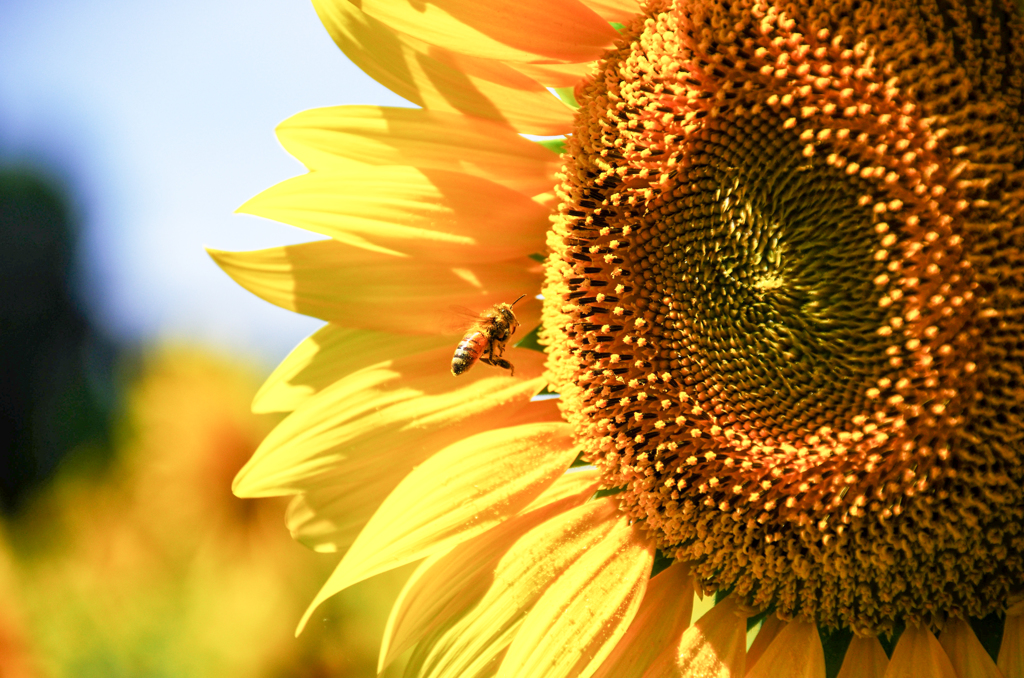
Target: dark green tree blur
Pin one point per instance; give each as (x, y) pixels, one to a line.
(55, 370)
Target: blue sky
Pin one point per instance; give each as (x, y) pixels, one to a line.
(159, 118)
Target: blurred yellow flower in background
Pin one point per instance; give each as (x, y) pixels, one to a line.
(151, 567)
(781, 309)
(16, 659)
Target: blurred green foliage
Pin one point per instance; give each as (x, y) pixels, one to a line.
(55, 370)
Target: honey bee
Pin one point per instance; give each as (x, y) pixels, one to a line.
(485, 340)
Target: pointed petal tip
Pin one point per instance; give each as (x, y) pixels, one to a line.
(240, 486)
(306, 615)
(320, 598)
(247, 206)
(224, 259)
(244, 487)
(251, 482)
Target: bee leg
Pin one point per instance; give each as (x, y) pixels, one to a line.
(489, 358)
(501, 362)
(494, 350)
(497, 360)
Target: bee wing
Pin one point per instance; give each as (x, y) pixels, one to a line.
(459, 319)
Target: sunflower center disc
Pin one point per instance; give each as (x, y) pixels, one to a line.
(784, 300)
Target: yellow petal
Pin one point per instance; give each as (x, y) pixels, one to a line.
(333, 138)
(796, 652)
(614, 10)
(437, 79)
(1011, 649)
(328, 355)
(578, 621)
(328, 519)
(965, 652)
(865, 658)
(460, 492)
(919, 655)
(715, 646)
(556, 75)
(770, 628)
(379, 422)
(428, 213)
(578, 483)
(372, 291)
(537, 409)
(653, 637)
(446, 585)
(702, 604)
(472, 645)
(525, 30)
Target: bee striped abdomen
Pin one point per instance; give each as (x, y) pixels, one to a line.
(468, 351)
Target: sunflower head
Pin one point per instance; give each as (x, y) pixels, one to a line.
(782, 315)
(783, 300)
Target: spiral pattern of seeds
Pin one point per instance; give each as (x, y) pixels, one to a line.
(785, 293)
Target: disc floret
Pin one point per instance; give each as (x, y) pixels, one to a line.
(783, 301)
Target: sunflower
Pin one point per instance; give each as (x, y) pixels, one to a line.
(777, 276)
